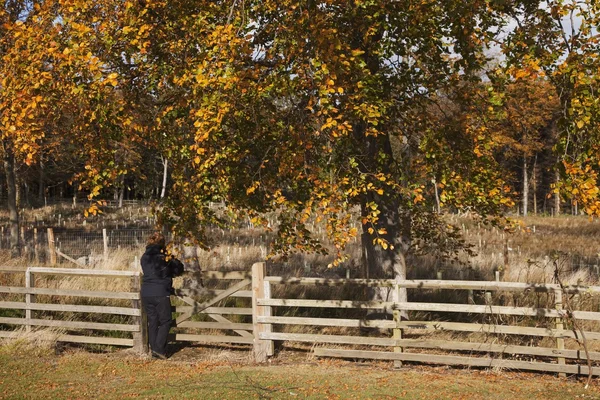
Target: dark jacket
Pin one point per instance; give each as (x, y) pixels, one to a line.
(158, 273)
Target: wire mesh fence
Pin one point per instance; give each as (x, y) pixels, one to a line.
(75, 243)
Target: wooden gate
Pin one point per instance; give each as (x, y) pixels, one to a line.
(220, 311)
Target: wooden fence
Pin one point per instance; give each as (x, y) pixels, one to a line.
(61, 309)
(469, 323)
(437, 336)
(69, 309)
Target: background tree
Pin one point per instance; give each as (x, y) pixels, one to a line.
(562, 41)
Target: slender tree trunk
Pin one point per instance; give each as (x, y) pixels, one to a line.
(75, 185)
(13, 212)
(534, 183)
(557, 195)
(121, 191)
(26, 194)
(437, 197)
(164, 180)
(525, 187)
(42, 182)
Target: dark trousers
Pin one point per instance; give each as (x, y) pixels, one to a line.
(158, 310)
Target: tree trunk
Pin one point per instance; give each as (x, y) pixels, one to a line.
(534, 183)
(525, 187)
(380, 262)
(390, 262)
(557, 195)
(13, 212)
(75, 185)
(164, 180)
(42, 183)
(121, 191)
(437, 197)
(26, 201)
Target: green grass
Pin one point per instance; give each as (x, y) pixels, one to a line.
(78, 375)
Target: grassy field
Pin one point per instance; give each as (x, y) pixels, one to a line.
(80, 375)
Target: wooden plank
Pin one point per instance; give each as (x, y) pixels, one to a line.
(51, 246)
(496, 348)
(220, 318)
(75, 293)
(497, 329)
(354, 323)
(210, 292)
(184, 337)
(95, 340)
(66, 257)
(226, 275)
(316, 338)
(29, 298)
(431, 344)
(214, 325)
(560, 342)
(70, 308)
(457, 360)
(498, 310)
(218, 310)
(70, 324)
(82, 272)
(15, 270)
(325, 303)
(229, 310)
(493, 285)
(434, 284)
(330, 281)
(261, 348)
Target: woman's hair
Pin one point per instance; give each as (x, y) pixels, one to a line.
(156, 238)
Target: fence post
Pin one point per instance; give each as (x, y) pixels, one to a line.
(36, 246)
(397, 331)
(29, 298)
(261, 348)
(560, 342)
(24, 243)
(267, 313)
(51, 246)
(140, 338)
(105, 242)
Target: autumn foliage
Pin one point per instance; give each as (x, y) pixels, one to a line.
(340, 112)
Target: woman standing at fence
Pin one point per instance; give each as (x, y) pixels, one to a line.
(157, 286)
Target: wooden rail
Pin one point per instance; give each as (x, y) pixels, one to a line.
(437, 350)
(79, 313)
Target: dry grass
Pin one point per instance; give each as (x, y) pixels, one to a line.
(35, 342)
